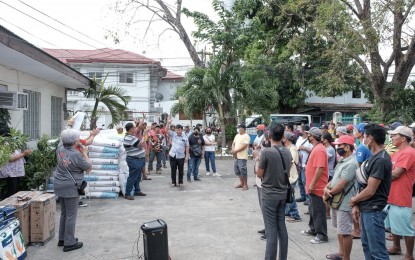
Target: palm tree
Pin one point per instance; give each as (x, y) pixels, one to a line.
(113, 97)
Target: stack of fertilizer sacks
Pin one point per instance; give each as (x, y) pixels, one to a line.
(12, 245)
(104, 154)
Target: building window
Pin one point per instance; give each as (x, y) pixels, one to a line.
(3, 87)
(95, 75)
(357, 93)
(126, 77)
(56, 116)
(73, 93)
(31, 116)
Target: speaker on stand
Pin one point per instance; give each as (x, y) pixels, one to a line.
(155, 239)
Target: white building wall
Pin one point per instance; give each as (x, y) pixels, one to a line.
(168, 89)
(346, 98)
(19, 81)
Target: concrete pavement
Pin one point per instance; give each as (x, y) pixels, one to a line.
(209, 219)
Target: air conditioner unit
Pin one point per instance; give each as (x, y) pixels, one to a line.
(13, 100)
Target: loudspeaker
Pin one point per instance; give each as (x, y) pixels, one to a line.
(155, 239)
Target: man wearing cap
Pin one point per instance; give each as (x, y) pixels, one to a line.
(304, 149)
(362, 151)
(240, 153)
(368, 205)
(316, 179)
(390, 147)
(343, 181)
(136, 153)
(399, 217)
(324, 129)
(259, 136)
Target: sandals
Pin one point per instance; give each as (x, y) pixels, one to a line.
(334, 256)
(173, 185)
(146, 179)
(394, 251)
(238, 186)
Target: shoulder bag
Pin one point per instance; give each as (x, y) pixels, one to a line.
(81, 187)
(337, 199)
(290, 190)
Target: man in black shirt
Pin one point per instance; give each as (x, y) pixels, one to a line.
(369, 204)
(197, 151)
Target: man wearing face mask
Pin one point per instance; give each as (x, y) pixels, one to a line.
(197, 150)
(375, 176)
(316, 179)
(210, 144)
(343, 180)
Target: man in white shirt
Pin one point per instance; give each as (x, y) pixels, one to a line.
(304, 148)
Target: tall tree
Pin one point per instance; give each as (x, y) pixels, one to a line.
(163, 11)
(114, 98)
(377, 35)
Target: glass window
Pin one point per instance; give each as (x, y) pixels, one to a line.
(31, 116)
(126, 77)
(56, 116)
(95, 75)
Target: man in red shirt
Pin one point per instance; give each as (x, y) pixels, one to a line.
(316, 179)
(399, 217)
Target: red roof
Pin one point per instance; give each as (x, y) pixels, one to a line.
(172, 76)
(104, 55)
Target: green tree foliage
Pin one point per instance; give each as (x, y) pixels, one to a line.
(40, 164)
(114, 98)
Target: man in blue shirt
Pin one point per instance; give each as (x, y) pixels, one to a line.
(362, 151)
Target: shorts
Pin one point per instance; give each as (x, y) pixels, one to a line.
(240, 167)
(343, 221)
(399, 220)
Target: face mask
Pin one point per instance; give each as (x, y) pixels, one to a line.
(208, 132)
(196, 133)
(341, 151)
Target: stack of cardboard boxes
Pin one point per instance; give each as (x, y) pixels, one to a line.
(36, 213)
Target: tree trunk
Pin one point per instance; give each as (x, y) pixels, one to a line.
(222, 126)
(94, 118)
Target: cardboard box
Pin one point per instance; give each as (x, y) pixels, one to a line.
(42, 218)
(21, 201)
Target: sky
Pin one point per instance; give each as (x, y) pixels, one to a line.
(82, 24)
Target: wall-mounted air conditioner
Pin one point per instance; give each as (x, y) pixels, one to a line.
(13, 100)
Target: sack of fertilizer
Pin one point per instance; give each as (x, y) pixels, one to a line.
(102, 149)
(18, 241)
(122, 178)
(7, 250)
(106, 142)
(89, 178)
(113, 167)
(104, 189)
(104, 172)
(124, 167)
(104, 184)
(103, 195)
(103, 161)
(103, 155)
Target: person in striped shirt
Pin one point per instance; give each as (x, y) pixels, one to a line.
(136, 158)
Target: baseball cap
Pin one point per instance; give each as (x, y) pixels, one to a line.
(324, 126)
(361, 127)
(342, 129)
(350, 128)
(402, 130)
(242, 126)
(288, 135)
(314, 131)
(260, 127)
(345, 139)
(394, 125)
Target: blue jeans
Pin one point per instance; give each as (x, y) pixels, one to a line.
(158, 155)
(210, 156)
(275, 229)
(135, 166)
(301, 185)
(373, 235)
(291, 209)
(193, 166)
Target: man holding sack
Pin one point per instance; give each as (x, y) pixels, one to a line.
(337, 194)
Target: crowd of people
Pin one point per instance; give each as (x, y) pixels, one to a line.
(361, 177)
